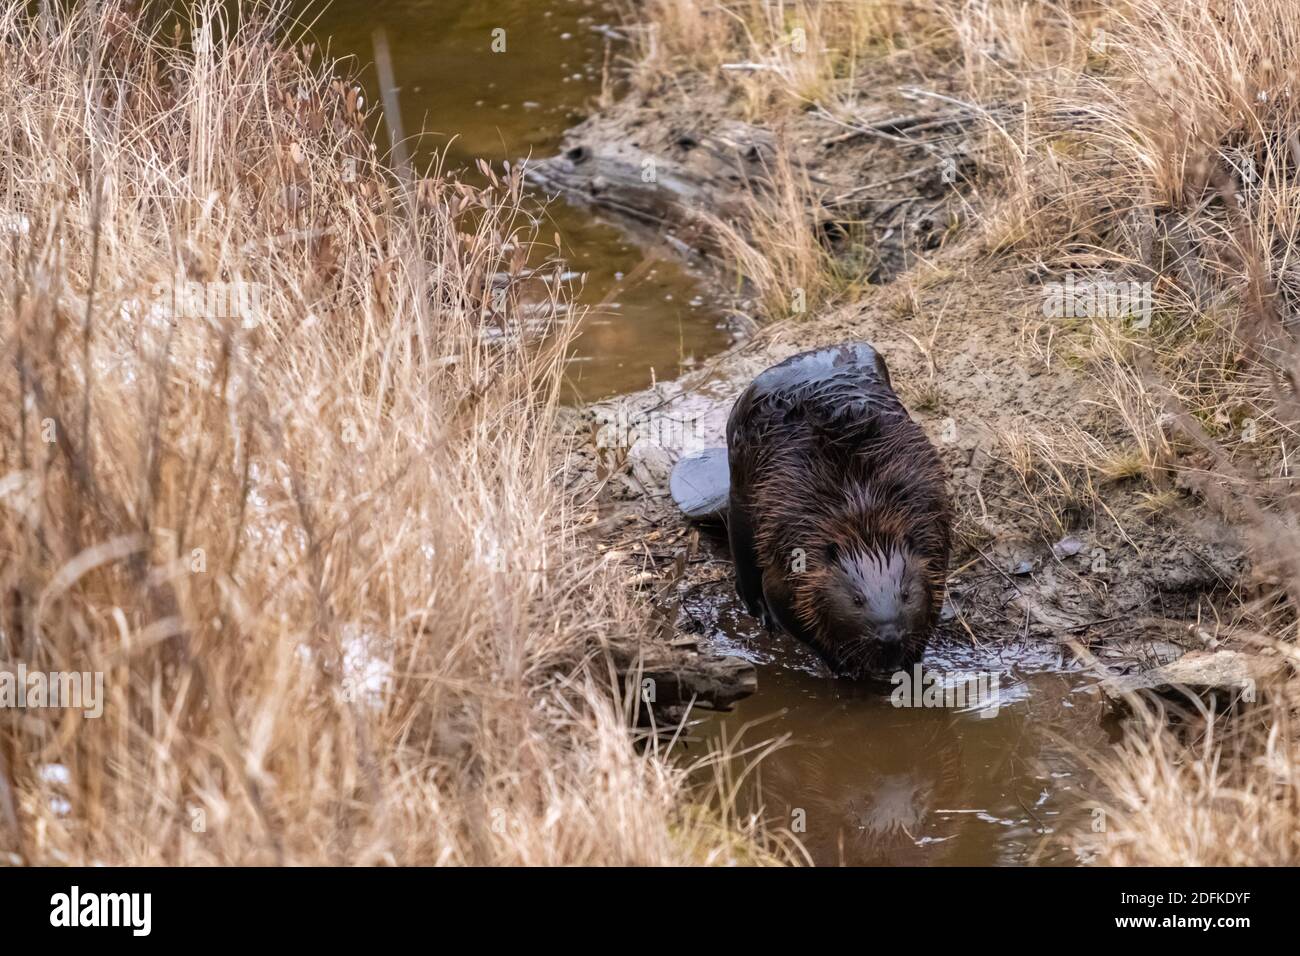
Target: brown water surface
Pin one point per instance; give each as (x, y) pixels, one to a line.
(472, 103)
(994, 779)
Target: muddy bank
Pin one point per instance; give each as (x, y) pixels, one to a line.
(662, 170)
(1046, 551)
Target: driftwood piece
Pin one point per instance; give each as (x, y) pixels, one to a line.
(709, 681)
(666, 187)
(626, 182)
(1223, 676)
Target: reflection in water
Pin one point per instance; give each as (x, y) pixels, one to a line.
(872, 784)
(473, 103)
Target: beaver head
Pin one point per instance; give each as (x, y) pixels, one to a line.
(870, 608)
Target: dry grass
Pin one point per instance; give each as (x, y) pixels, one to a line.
(1169, 155)
(1223, 791)
(1155, 141)
(319, 550)
(774, 244)
(1140, 140)
(780, 54)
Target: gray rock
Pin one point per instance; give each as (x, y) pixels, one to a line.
(1067, 548)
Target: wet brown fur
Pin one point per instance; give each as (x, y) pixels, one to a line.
(836, 476)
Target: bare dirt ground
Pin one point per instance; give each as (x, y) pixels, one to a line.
(1051, 544)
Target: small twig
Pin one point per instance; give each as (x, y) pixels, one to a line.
(880, 184)
(822, 113)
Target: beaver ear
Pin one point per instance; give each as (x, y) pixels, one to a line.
(832, 552)
(882, 369)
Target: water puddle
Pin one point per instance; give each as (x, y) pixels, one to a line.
(986, 770)
(645, 320)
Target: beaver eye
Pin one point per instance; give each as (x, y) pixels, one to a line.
(857, 600)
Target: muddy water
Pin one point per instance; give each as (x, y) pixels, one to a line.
(647, 317)
(991, 777)
(861, 780)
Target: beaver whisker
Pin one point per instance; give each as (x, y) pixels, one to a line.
(857, 651)
(857, 658)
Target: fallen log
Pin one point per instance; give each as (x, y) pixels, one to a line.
(664, 190)
(712, 682)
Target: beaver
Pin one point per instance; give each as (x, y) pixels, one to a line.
(838, 514)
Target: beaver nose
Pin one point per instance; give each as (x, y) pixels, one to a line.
(889, 634)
